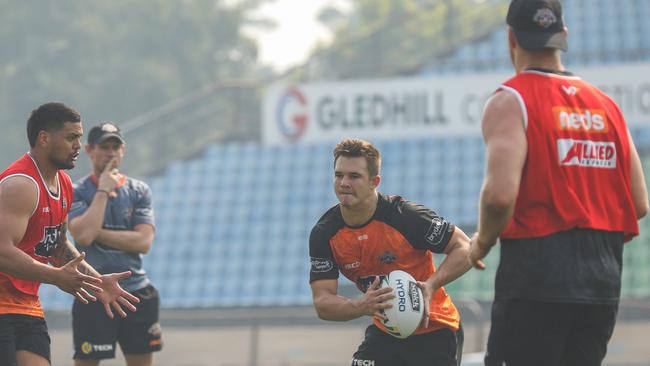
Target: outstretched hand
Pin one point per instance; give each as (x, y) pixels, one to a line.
(69, 279)
(114, 296)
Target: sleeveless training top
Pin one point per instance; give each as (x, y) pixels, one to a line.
(577, 170)
(18, 296)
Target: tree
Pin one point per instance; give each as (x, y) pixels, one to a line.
(394, 37)
(114, 60)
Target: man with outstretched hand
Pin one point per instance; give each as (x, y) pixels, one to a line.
(35, 197)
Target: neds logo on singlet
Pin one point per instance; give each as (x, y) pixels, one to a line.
(587, 153)
(581, 120)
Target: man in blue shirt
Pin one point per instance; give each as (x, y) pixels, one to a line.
(112, 221)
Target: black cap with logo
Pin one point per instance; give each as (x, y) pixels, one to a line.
(538, 24)
(103, 132)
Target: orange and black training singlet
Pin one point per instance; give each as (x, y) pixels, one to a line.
(18, 296)
(400, 235)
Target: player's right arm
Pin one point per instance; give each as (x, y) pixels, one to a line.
(18, 200)
(506, 149)
(330, 306)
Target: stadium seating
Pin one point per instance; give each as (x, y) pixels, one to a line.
(233, 224)
(243, 212)
(600, 32)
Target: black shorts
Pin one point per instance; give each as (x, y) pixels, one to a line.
(532, 333)
(22, 333)
(443, 347)
(95, 334)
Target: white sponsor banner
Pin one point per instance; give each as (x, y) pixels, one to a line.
(418, 106)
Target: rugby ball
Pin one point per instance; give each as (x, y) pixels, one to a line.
(406, 313)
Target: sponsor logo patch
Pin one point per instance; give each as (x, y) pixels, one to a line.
(436, 231)
(292, 114)
(86, 348)
(127, 213)
(360, 362)
(387, 257)
(400, 293)
(581, 120)
(413, 294)
(544, 17)
(570, 90)
(155, 330)
(47, 245)
(364, 282)
(352, 265)
(587, 153)
(321, 265)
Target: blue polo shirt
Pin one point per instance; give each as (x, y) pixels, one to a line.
(132, 206)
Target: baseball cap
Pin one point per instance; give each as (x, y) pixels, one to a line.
(537, 24)
(103, 132)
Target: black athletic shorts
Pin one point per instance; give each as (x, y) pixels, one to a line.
(22, 333)
(95, 334)
(533, 333)
(443, 347)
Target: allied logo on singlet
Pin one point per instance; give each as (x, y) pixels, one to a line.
(45, 248)
(587, 153)
(581, 120)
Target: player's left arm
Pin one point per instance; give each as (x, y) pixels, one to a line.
(455, 263)
(426, 230)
